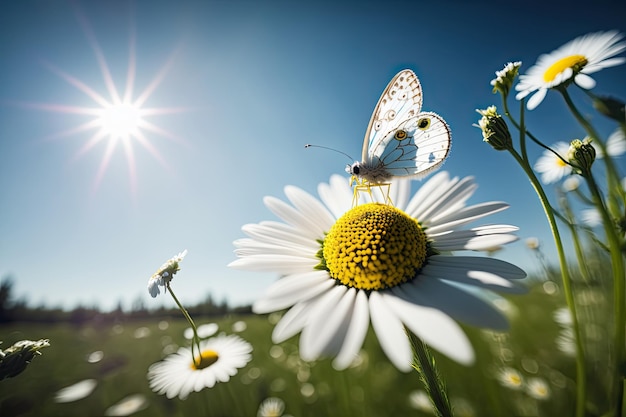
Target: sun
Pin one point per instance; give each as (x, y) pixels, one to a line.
(119, 118)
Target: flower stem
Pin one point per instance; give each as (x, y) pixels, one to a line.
(424, 364)
(581, 377)
(195, 344)
(613, 178)
(619, 295)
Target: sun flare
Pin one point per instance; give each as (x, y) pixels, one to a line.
(121, 120)
(117, 119)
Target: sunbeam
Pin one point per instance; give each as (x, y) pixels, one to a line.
(116, 118)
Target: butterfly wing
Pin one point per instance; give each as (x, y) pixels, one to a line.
(414, 147)
(401, 100)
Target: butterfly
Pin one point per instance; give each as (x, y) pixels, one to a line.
(401, 140)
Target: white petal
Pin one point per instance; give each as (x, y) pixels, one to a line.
(456, 302)
(292, 322)
(278, 234)
(281, 264)
(400, 192)
(465, 215)
(324, 334)
(479, 263)
(355, 335)
(336, 195)
(434, 328)
(294, 217)
(390, 332)
(479, 238)
(291, 290)
(310, 208)
(536, 99)
(584, 81)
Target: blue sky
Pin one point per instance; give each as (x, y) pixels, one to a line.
(243, 87)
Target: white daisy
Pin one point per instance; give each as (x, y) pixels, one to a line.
(532, 243)
(537, 388)
(128, 405)
(271, 407)
(615, 144)
(76, 392)
(510, 378)
(165, 274)
(344, 267)
(504, 78)
(204, 331)
(551, 167)
(591, 217)
(220, 357)
(574, 60)
(571, 184)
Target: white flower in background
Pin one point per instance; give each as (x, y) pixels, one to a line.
(344, 268)
(271, 407)
(563, 316)
(573, 61)
(128, 405)
(510, 378)
(419, 400)
(550, 166)
(219, 359)
(76, 392)
(537, 388)
(239, 326)
(615, 144)
(591, 217)
(571, 183)
(165, 274)
(532, 243)
(204, 331)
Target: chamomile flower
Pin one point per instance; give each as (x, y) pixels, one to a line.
(573, 61)
(615, 144)
(219, 359)
(537, 388)
(510, 378)
(345, 267)
(504, 78)
(128, 405)
(271, 407)
(550, 166)
(165, 274)
(76, 392)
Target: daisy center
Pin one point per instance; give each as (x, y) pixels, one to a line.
(207, 358)
(374, 246)
(575, 62)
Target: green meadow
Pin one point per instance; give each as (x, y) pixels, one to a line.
(535, 347)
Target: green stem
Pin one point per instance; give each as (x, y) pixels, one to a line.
(619, 294)
(569, 220)
(195, 344)
(613, 178)
(520, 126)
(581, 378)
(424, 364)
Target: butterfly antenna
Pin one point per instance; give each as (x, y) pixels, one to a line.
(330, 149)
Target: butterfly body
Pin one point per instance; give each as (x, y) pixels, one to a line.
(401, 140)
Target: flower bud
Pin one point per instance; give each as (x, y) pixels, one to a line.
(581, 154)
(14, 359)
(504, 78)
(495, 130)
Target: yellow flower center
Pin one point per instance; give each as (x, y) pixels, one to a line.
(207, 358)
(374, 246)
(576, 62)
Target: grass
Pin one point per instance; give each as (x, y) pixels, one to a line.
(373, 387)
